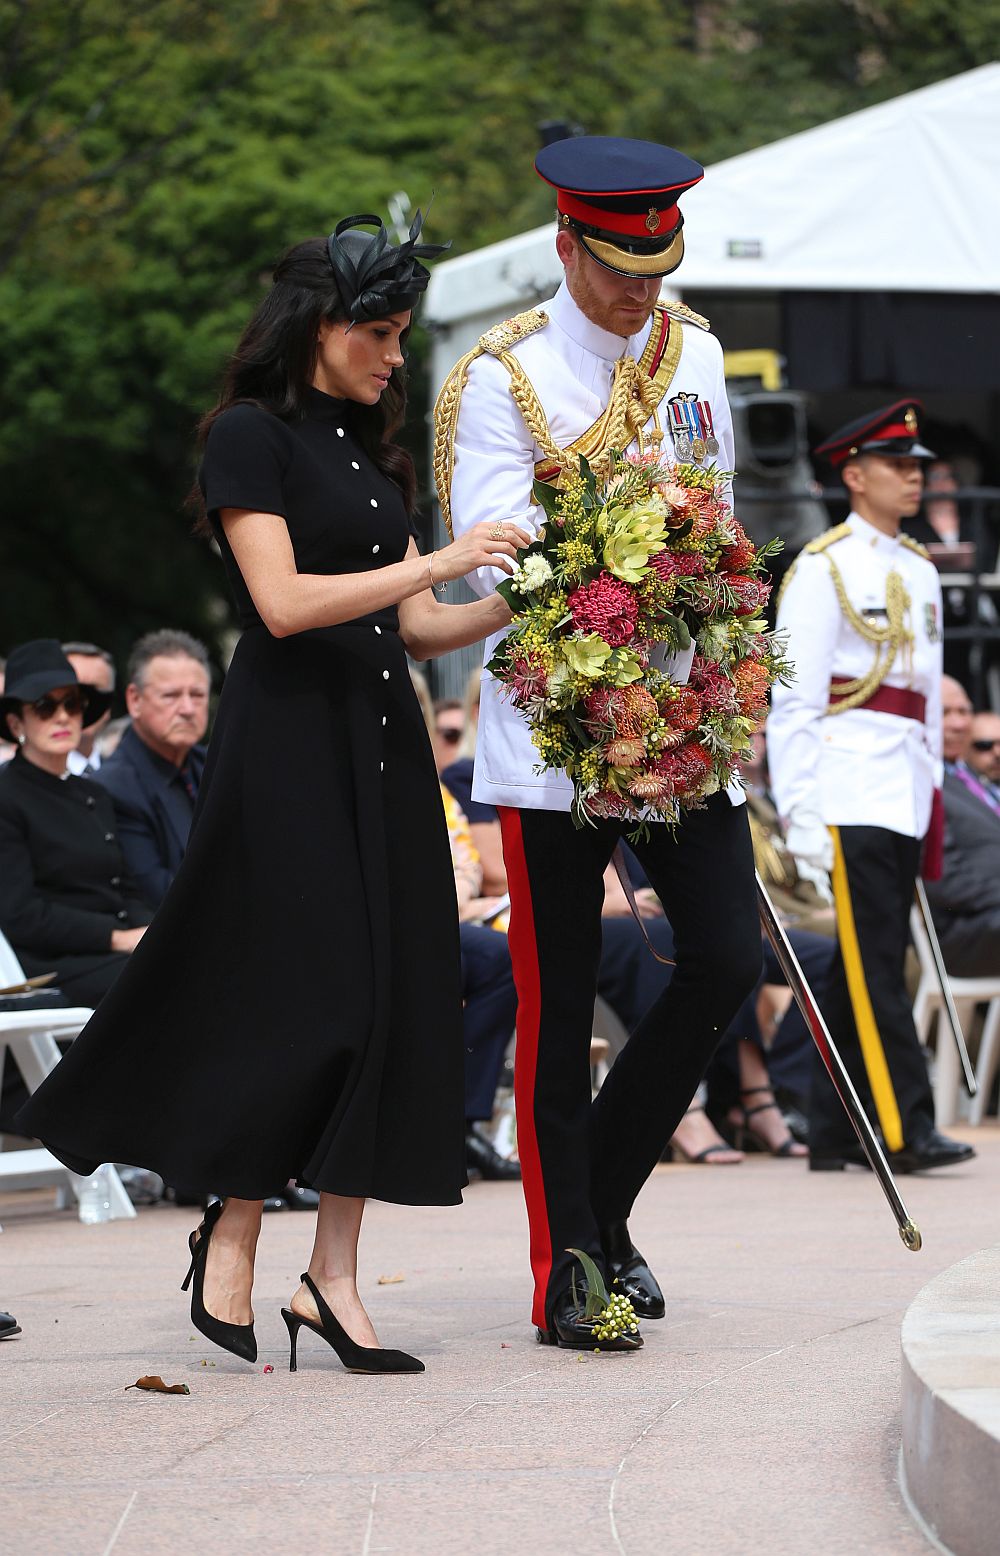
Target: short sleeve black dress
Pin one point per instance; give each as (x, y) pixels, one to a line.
(294, 1011)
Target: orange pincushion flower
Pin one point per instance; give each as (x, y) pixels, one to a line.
(683, 710)
(649, 786)
(738, 557)
(751, 681)
(635, 711)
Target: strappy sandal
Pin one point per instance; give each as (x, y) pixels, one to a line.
(743, 1130)
(718, 1155)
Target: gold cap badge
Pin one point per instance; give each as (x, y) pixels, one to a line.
(653, 219)
(910, 422)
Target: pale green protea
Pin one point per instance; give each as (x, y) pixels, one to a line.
(586, 655)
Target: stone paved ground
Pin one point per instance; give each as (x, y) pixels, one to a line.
(762, 1416)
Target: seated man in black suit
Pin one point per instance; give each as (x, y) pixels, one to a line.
(966, 900)
(153, 775)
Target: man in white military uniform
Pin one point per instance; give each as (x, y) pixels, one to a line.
(854, 748)
(598, 368)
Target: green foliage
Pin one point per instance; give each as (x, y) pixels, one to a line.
(156, 156)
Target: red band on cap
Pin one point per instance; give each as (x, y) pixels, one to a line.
(896, 430)
(651, 223)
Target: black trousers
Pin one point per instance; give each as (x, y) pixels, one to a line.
(583, 1163)
(866, 1004)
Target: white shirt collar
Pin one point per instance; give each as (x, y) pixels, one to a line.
(567, 316)
(876, 538)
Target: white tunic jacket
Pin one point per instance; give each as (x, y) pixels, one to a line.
(858, 767)
(570, 363)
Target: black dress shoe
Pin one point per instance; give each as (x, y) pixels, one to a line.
(931, 1150)
(297, 1198)
(629, 1272)
(484, 1158)
(8, 1326)
(836, 1158)
(275, 1202)
(566, 1326)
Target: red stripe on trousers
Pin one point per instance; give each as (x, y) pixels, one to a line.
(527, 981)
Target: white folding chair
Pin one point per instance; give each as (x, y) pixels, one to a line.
(31, 1036)
(928, 1003)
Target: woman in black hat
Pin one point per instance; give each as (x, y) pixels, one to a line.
(295, 1010)
(66, 902)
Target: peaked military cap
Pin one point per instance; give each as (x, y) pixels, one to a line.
(893, 432)
(621, 197)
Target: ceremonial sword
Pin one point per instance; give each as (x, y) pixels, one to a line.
(813, 1016)
(971, 1085)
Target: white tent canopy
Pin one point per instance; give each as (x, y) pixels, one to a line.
(904, 196)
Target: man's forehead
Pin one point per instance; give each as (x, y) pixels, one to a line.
(94, 670)
(173, 667)
(987, 723)
(955, 702)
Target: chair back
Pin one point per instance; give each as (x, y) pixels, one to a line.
(11, 970)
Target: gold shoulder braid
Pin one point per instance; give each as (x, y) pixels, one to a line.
(687, 315)
(497, 341)
(828, 538)
(914, 545)
(634, 398)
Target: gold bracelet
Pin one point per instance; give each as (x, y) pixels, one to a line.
(438, 588)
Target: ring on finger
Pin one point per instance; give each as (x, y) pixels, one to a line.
(498, 532)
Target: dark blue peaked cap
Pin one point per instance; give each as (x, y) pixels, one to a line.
(621, 197)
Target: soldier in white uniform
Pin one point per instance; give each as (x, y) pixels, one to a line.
(854, 747)
(598, 368)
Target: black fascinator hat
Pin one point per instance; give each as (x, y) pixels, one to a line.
(373, 277)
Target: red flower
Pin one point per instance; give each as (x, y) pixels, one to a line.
(738, 557)
(751, 593)
(717, 692)
(608, 607)
(528, 679)
(677, 564)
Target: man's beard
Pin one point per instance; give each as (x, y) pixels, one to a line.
(608, 316)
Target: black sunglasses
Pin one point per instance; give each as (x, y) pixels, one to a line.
(450, 736)
(73, 702)
(986, 745)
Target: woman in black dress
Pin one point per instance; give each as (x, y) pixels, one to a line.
(294, 1012)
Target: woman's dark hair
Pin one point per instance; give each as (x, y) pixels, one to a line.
(274, 361)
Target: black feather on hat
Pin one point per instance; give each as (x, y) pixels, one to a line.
(375, 278)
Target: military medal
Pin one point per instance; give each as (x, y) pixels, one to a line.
(711, 441)
(679, 429)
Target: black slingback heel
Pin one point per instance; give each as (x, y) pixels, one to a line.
(237, 1338)
(356, 1358)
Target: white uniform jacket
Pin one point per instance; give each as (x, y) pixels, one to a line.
(570, 363)
(857, 767)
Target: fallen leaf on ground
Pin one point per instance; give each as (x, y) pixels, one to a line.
(156, 1385)
(391, 1280)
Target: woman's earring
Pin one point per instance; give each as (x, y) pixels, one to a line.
(20, 739)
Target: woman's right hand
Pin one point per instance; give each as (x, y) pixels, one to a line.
(493, 543)
(127, 939)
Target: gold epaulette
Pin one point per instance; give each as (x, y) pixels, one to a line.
(496, 342)
(828, 538)
(686, 315)
(512, 331)
(914, 545)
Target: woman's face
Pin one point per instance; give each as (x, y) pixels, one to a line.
(357, 363)
(51, 726)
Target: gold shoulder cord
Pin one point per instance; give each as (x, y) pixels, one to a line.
(496, 342)
(634, 398)
(887, 640)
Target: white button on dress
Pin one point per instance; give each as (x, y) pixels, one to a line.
(355, 465)
(340, 432)
(378, 632)
(374, 550)
(373, 501)
(385, 677)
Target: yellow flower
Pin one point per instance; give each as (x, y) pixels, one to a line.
(626, 668)
(587, 655)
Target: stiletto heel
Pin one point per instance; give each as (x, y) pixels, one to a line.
(356, 1358)
(237, 1338)
(292, 1322)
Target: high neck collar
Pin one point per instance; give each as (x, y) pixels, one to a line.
(571, 319)
(20, 765)
(876, 538)
(324, 407)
